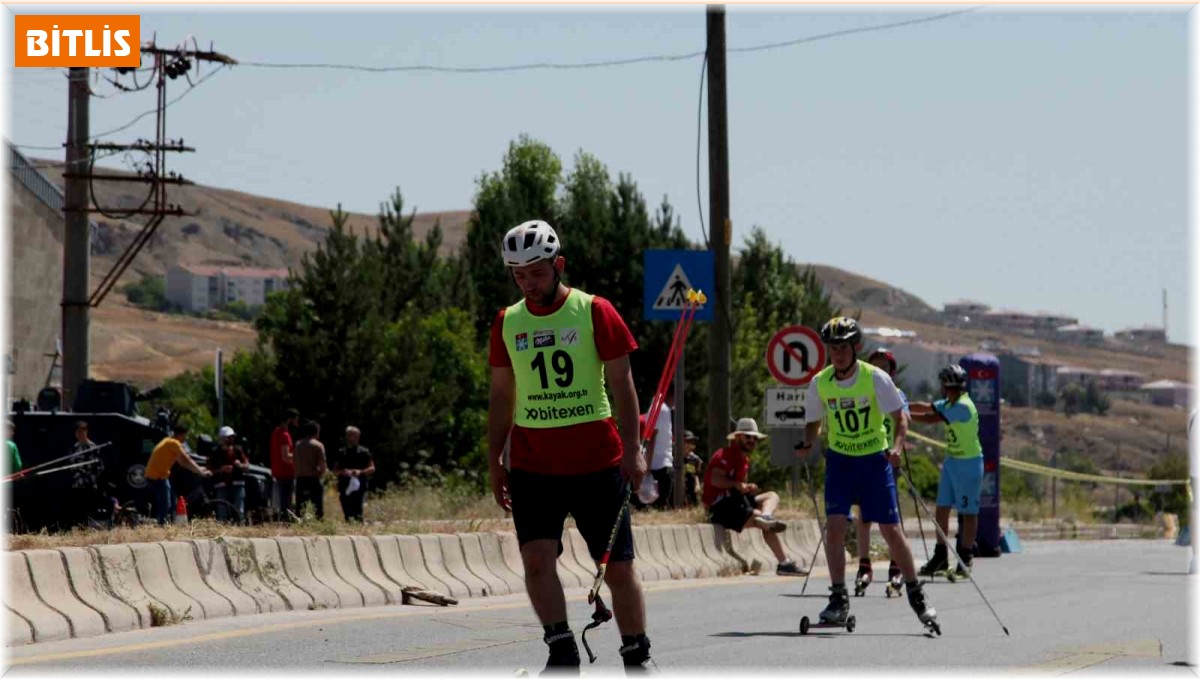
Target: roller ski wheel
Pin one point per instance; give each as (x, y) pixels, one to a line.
(932, 628)
(894, 588)
(806, 624)
(862, 580)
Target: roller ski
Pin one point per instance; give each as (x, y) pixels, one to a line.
(938, 566)
(895, 586)
(836, 614)
(864, 578)
(925, 613)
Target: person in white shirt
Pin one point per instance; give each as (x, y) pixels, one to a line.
(660, 457)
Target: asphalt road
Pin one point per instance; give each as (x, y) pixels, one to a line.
(1070, 606)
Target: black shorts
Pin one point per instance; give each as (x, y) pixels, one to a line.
(541, 502)
(732, 511)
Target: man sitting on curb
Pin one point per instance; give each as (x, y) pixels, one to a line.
(735, 504)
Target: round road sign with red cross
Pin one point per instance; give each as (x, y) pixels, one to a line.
(795, 355)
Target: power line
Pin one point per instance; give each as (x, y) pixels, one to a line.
(659, 58)
(153, 111)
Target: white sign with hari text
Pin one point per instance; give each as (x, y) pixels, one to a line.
(784, 408)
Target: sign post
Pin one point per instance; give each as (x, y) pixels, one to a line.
(795, 355)
(668, 277)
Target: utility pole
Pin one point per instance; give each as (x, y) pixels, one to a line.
(76, 240)
(720, 228)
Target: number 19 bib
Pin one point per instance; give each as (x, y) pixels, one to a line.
(853, 422)
(559, 375)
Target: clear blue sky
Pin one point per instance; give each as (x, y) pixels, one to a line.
(1025, 157)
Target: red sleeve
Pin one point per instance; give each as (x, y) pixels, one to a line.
(613, 339)
(497, 353)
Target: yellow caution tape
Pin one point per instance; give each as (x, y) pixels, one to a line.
(1031, 468)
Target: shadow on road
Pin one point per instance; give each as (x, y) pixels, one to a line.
(741, 635)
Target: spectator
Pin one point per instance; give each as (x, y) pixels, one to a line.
(693, 468)
(283, 467)
(229, 463)
(736, 504)
(659, 454)
(14, 457)
(310, 468)
(352, 466)
(158, 470)
(86, 495)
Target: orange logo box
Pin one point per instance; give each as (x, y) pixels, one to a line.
(78, 40)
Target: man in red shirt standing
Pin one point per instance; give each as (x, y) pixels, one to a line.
(735, 504)
(283, 467)
(551, 355)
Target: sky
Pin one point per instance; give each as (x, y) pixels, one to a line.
(1028, 157)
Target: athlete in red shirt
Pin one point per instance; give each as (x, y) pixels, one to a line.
(551, 355)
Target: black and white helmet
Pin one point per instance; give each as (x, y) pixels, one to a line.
(530, 242)
(841, 329)
(953, 376)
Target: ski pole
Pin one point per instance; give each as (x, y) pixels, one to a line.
(26, 471)
(601, 614)
(812, 492)
(946, 540)
(916, 511)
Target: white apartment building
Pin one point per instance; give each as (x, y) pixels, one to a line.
(199, 288)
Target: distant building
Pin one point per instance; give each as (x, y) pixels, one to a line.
(1069, 374)
(1111, 379)
(964, 309)
(1049, 321)
(199, 288)
(1011, 320)
(1144, 334)
(1168, 393)
(1023, 378)
(1083, 334)
(921, 361)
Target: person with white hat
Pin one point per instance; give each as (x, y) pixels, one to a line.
(228, 464)
(734, 503)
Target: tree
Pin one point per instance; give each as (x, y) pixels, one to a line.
(1096, 401)
(1172, 498)
(1072, 397)
(148, 293)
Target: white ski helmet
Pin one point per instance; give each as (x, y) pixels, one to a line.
(529, 242)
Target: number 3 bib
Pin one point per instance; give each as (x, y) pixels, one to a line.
(559, 375)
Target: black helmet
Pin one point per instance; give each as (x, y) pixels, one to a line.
(953, 376)
(886, 354)
(842, 329)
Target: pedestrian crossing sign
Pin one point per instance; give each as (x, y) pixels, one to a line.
(668, 275)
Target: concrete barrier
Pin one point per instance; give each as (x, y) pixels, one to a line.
(181, 561)
(47, 623)
(696, 567)
(473, 551)
(50, 579)
(297, 569)
(409, 560)
(493, 556)
(511, 551)
(431, 550)
(583, 557)
(372, 570)
(151, 564)
(391, 563)
(243, 570)
(19, 630)
(648, 567)
(456, 564)
(269, 561)
(214, 570)
(120, 578)
(346, 563)
(726, 564)
(675, 556)
(320, 559)
(758, 544)
(88, 584)
(569, 571)
(708, 567)
(654, 538)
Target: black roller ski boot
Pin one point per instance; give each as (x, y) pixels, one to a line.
(564, 652)
(864, 578)
(925, 613)
(839, 606)
(937, 564)
(635, 654)
(964, 558)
